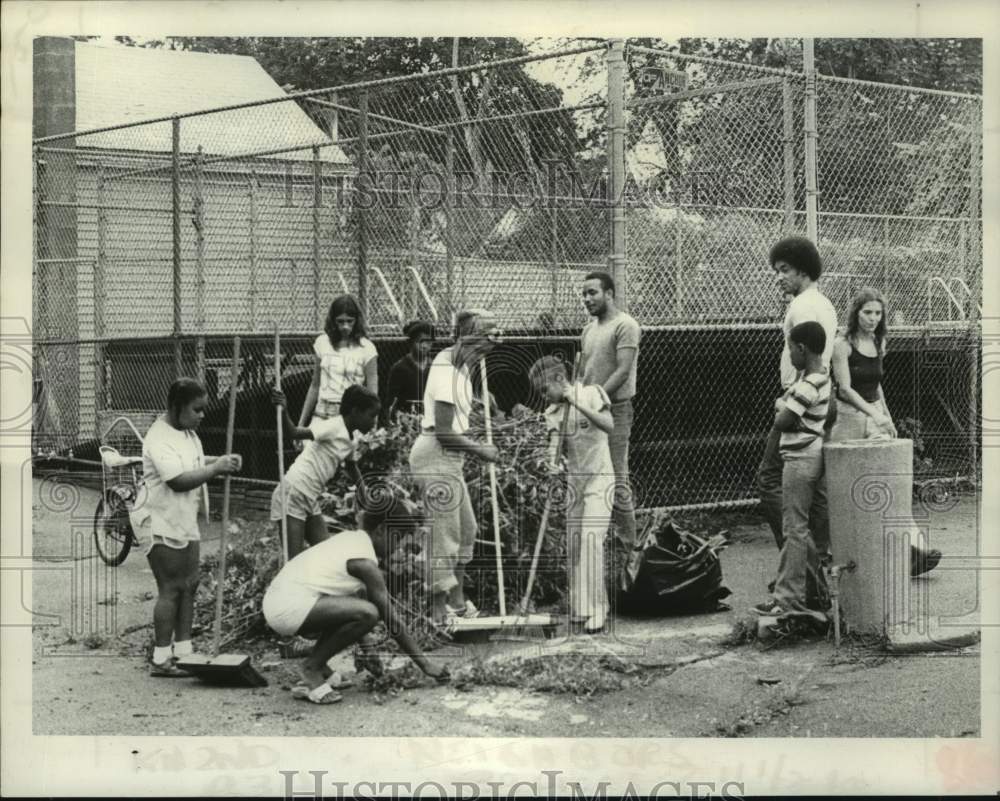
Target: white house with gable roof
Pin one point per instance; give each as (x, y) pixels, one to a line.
(104, 225)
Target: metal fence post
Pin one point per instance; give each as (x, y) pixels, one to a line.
(809, 65)
(887, 245)
(678, 264)
(99, 290)
(38, 313)
(449, 199)
(975, 285)
(414, 240)
(789, 154)
(362, 212)
(616, 168)
(38, 288)
(175, 185)
(554, 254)
(317, 201)
(252, 241)
(199, 250)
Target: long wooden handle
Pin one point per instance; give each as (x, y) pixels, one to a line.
(281, 446)
(234, 377)
(544, 523)
(493, 487)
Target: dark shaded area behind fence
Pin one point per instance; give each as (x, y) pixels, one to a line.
(703, 408)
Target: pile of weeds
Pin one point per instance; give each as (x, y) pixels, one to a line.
(581, 675)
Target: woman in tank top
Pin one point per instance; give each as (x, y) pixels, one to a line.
(857, 368)
(861, 409)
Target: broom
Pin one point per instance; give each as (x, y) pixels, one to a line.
(459, 625)
(231, 669)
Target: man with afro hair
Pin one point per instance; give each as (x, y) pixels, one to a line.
(798, 266)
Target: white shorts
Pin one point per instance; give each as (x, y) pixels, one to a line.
(286, 607)
(297, 504)
(148, 540)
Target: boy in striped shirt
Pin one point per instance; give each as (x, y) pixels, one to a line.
(800, 415)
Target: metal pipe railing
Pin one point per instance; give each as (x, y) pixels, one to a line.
(939, 281)
(965, 288)
(423, 291)
(388, 291)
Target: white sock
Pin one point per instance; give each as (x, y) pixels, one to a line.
(183, 648)
(161, 653)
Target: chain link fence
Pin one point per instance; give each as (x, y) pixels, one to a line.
(487, 186)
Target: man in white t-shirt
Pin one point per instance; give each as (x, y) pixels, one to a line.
(437, 458)
(334, 592)
(799, 266)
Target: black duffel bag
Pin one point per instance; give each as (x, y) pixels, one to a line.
(671, 572)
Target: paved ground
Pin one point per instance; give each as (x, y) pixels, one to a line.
(685, 683)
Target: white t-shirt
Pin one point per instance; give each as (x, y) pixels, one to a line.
(451, 385)
(321, 456)
(322, 568)
(166, 453)
(341, 367)
(810, 305)
(587, 452)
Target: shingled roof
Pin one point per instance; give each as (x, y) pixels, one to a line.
(117, 84)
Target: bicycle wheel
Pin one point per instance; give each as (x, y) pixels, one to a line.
(112, 529)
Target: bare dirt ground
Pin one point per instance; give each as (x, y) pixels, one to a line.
(681, 679)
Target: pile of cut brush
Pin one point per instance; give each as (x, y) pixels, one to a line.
(523, 481)
(253, 557)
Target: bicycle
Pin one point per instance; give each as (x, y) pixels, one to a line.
(121, 484)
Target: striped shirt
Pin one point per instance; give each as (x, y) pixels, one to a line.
(808, 399)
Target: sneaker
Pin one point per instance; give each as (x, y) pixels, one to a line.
(923, 561)
(167, 670)
(296, 647)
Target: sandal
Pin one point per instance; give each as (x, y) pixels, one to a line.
(167, 670)
(337, 681)
(469, 610)
(323, 694)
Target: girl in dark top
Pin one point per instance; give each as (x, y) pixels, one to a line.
(857, 368)
(861, 409)
(408, 376)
